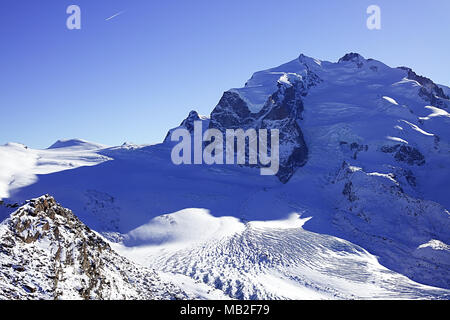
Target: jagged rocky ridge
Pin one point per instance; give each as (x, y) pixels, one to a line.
(46, 252)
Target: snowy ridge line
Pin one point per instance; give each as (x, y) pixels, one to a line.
(365, 158)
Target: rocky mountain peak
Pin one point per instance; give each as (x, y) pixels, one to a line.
(308, 61)
(41, 218)
(189, 121)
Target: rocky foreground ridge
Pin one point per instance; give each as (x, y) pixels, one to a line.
(46, 252)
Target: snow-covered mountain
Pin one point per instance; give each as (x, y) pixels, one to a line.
(360, 203)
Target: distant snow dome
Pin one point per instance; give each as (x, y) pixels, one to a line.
(76, 143)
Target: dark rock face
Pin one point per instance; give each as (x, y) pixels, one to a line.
(429, 90)
(230, 112)
(282, 111)
(407, 154)
(347, 191)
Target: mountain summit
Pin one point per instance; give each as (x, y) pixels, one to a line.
(75, 143)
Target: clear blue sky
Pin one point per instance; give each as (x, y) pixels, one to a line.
(133, 77)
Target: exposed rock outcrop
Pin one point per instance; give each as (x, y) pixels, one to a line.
(282, 111)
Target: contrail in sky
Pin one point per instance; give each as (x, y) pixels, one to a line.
(113, 16)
